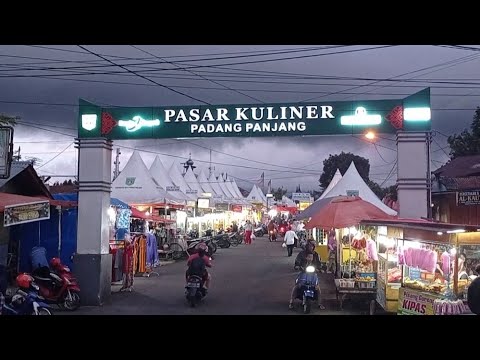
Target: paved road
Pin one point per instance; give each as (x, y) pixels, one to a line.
(249, 279)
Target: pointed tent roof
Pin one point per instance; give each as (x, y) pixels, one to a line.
(205, 184)
(160, 175)
(224, 188)
(229, 185)
(235, 188)
(178, 180)
(215, 185)
(255, 195)
(135, 185)
(262, 194)
(287, 201)
(192, 182)
(336, 178)
(352, 180)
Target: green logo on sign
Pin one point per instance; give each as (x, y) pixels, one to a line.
(130, 181)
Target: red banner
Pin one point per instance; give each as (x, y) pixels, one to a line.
(237, 208)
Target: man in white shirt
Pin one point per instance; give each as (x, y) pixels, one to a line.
(289, 240)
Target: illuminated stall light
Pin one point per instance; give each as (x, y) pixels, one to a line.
(361, 118)
(417, 114)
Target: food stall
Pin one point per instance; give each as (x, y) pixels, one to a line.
(425, 267)
(356, 252)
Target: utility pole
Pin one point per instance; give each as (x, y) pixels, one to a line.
(210, 166)
(116, 171)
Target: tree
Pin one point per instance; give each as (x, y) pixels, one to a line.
(278, 194)
(8, 120)
(391, 192)
(342, 162)
(467, 142)
(380, 192)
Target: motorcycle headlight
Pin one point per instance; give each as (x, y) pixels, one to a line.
(310, 269)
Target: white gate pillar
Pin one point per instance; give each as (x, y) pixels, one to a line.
(412, 174)
(93, 263)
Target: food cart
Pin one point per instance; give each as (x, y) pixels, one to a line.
(425, 267)
(355, 253)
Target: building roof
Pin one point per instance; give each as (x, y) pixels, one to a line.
(460, 183)
(336, 178)
(462, 166)
(24, 180)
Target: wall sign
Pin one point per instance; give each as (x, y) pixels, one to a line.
(25, 213)
(471, 197)
(338, 117)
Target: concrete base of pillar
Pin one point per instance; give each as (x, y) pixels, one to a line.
(94, 275)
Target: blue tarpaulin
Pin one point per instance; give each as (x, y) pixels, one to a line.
(45, 233)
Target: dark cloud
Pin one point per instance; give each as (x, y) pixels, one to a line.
(292, 152)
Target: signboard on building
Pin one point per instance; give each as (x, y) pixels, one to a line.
(191, 192)
(237, 208)
(470, 197)
(411, 302)
(301, 197)
(280, 119)
(25, 213)
(221, 207)
(203, 203)
(353, 193)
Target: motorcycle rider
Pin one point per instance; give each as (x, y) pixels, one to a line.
(309, 261)
(195, 266)
(309, 249)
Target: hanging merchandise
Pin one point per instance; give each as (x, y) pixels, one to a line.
(123, 218)
(445, 263)
(128, 265)
(372, 254)
(152, 251)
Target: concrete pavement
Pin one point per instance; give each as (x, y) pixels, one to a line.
(246, 280)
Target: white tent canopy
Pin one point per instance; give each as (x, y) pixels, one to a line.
(237, 189)
(178, 180)
(224, 188)
(353, 182)
(255, 195)
(215, 185)
(192, 182)
(205, 184)
(135, 185)
(287, 201)
(160, 175)
(336, 178)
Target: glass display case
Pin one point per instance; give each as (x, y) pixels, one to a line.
(389, 273)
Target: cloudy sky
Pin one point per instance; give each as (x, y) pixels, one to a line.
(42, 85)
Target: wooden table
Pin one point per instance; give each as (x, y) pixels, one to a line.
(370, 293)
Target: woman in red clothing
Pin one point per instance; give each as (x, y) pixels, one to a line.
(248, 232)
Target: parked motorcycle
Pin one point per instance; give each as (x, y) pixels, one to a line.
(259, 231)
(194, 290)
(222, 241)
(307, 291)
(26, 300)
(193, 244)
(60, 287)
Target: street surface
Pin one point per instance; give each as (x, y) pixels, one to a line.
(246, 280)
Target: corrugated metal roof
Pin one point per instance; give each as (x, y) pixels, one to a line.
(461, 183)
(462, 166)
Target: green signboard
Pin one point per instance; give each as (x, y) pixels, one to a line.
(296, 119)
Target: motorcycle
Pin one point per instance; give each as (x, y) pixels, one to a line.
(272, 235)
(258, 232)
(194, 290)
(222, 241)
(26, 301)
(307, 291)
(60, 287)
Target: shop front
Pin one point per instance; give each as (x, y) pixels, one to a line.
(425, 268)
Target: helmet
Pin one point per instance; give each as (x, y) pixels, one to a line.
(202, 248)
(24, 281)
(55, 262)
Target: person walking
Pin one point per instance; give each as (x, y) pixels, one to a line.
(289, 240)
(248, 232)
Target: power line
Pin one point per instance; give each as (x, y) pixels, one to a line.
(201, 76)
(56, 156)
(143, 77)
(204, 66)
